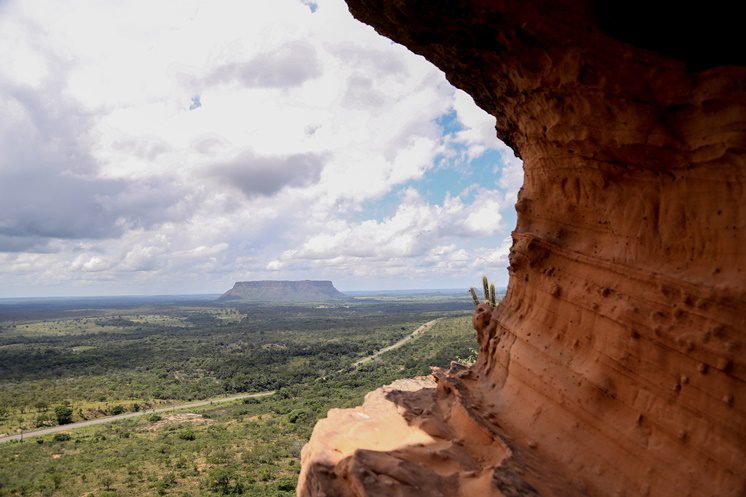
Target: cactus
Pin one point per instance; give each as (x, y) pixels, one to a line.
(474, 296)
(490, 296)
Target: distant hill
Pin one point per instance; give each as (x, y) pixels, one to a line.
(283, 291)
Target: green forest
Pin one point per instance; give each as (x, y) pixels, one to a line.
(68, 369)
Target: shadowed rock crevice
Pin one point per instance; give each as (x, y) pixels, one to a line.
(615, 364)
(422, 437)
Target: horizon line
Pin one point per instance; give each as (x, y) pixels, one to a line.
(209, 294)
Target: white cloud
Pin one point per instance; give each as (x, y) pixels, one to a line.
(90, 263)
(147, 146)
(423, 233)
(265, 176)
(479, 127)
(286, 66)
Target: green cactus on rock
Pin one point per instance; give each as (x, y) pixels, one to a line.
(474, 296)
(490, 295)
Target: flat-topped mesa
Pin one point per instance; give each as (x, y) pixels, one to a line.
(283, 291)
(616, 363)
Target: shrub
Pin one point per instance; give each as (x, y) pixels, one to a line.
(107, 480)
(167, 481)
(223, 481)
(64, 415)
(43, 420)
(187, 435)
(286, 484)
(61, 437)
(297, 415)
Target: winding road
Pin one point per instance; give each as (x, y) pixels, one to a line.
(107, 419)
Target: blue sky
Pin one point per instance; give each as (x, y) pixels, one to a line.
(154, 148)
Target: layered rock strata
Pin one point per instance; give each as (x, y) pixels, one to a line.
(616, 364)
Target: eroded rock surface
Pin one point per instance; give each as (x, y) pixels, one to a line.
(616, 364)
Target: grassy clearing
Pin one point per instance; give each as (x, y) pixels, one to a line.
(61, 327)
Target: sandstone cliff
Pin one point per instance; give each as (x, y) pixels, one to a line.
(615, 365)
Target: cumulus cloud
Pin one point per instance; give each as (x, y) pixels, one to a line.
(90, 263)
(145, 148)
(37, 206)
(362, 94)
(368, 59)
(265, 176)
(286, 66)
(50, 186)
(478, 132)
(313, 149)
(411, 231)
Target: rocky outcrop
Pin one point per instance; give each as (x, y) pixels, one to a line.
(615, 365)
(282, 291)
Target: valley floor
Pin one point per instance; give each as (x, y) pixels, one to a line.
(248, 446)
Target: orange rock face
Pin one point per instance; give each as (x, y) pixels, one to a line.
(616, 364)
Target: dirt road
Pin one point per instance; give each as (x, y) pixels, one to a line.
(55, 429)
(422, 329)
(108, 419)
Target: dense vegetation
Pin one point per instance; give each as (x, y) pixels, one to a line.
(248, 447)
(173, 353)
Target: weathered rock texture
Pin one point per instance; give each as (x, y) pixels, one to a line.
(616, 364)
